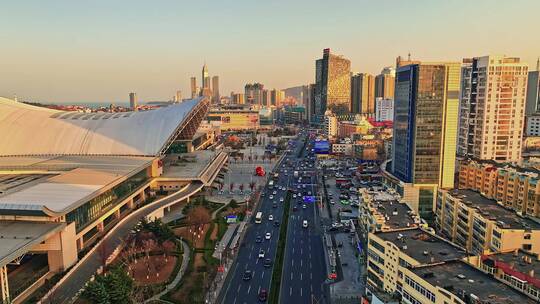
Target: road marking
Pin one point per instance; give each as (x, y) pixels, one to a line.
(292, 262)
(234, 300)
(310, 266)
(262, 276)
(249, 288)
(311, 278)
(291, 276)
(301, 262)
(302, 252)
(311, 288)
(300, 276)
(300, 291)
(290, 291)
(238, 290)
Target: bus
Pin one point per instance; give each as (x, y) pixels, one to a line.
(258, 218)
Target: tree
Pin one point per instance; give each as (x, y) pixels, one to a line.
(233, 204)
(96, 292)
(119, 285)
(252, 186)
(198, 216)
(231, 187)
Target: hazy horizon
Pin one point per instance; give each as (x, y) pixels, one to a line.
(75, 52)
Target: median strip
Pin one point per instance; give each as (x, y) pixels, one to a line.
(280, 253)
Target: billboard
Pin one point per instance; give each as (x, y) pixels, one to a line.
(322, 147)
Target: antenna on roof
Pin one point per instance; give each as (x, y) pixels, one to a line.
(538, 64)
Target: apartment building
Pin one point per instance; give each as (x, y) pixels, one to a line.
(514, 187)
(482, 225)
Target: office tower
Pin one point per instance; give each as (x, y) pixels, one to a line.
(254, 93)
(133, 101)
(266, 97)
(533, 91)
(425, 125)
(384, 109)
(401, 62)
(205, 78)
(178, 96)
(308, 100)
(215, 89)
(194, 89)
(492, 108)
(276, 97)
(333, 84)
(363, 94)
(384, 83)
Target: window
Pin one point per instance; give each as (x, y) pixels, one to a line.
(426, 293)
(376, 245)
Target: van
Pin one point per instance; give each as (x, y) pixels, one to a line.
(305, 224)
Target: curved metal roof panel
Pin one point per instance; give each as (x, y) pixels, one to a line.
(31, 130)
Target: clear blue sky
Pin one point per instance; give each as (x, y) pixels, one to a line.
(99, 51)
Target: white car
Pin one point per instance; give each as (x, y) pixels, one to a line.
(305, 224)
(261, 254)
(275, 192)
(271, 197)
(281, 199)
(294, 196)
(332, 202)
(267, 236)
(270, 217)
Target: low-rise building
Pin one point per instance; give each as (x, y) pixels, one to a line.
(391, 253)
(482, 225)
(384, 109)
(456, 282)
(518, 268)
(532, 127)
(515, 187)
(342, 148)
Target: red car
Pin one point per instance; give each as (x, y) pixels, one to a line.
(263, 295)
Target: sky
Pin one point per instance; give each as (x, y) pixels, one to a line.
(99, 51)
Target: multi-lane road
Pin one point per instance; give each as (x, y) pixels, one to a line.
(303, 265)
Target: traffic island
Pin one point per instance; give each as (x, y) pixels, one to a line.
(280, 253)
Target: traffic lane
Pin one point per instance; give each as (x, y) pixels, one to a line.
(247, 259)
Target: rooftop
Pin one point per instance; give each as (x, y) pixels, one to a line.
(519, 261)
(53, 185)
(422, 246)
(464, 280)
(29, 130)
(18, 237)
(489, 209)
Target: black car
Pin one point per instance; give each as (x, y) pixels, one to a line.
(267, 263)
(294, 208)
(258, 239)
(276, 223)
(247, 275)
(274, 205)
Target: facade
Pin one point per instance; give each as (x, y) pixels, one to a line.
(215, 90)
(532, 127)
(514, 187)
(384, 83)
(178, 96)
(384, 109)
(133, 102)
(400, 62)
(231, 119)
(363, 94)
(194, 88)
(205, 78)
(342, 148)
(481, 225)
(533, 91)
(492, 108)
(424, 130)
(309, 101)
(333, 84)
(294, 115)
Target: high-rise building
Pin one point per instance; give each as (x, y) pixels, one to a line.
(330, 124)
(133, 101)
(308, 100)
(401, 62)
(254, 93)
(276, 97)
(178, 96)
(384, 109)
(492, 108)
(266, 97)
(425, 125)
(194, 88)
(533, 91)
(363, 94)
(205, 77)
(384, 83)
(333, 84)
(238, 98)
(215, 89)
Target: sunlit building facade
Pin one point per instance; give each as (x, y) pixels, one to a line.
(333, 81)
(363, 94)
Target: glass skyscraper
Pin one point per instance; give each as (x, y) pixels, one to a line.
(333, 82)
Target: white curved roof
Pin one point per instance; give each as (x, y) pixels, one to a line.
(31, 130)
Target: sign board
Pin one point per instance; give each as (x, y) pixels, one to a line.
(231, 219)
